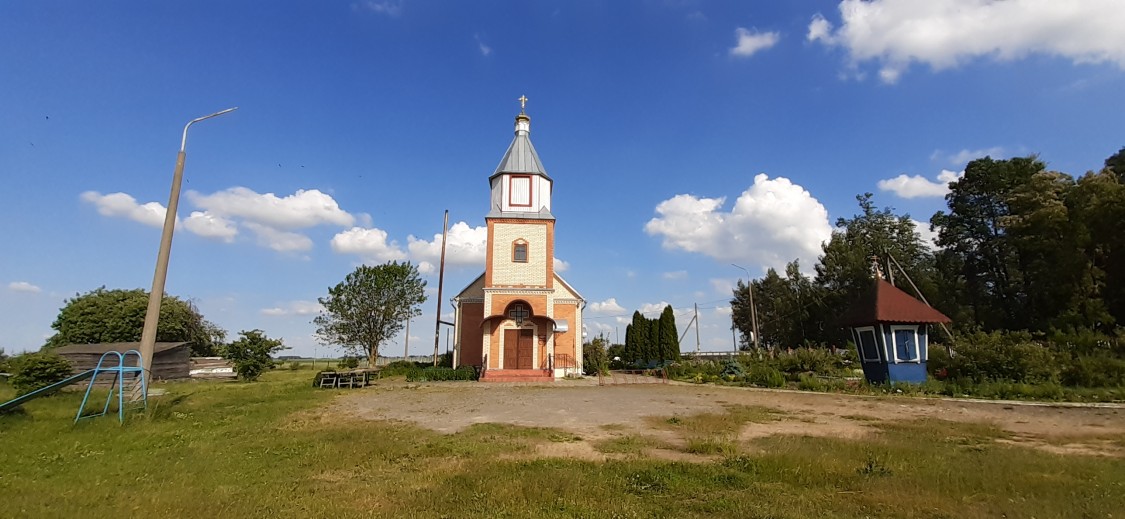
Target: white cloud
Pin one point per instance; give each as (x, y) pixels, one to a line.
(609, 306)
(963, 157)
(772, 223)
(24, 286)
(485, 50)
(299, 307)
(928, 237)
(649, 309)
(561, 265)
(917, 186)
(280, 241)
(305, 208)
(125, 206)
(723, 311)
(750, 42)
(367, 243)
(391, 8)
(208, 225)
(945, 34)
(464, 246)
(679, 274)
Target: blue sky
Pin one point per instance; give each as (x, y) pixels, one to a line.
(682, 136)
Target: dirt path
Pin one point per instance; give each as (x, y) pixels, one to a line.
(593, 412)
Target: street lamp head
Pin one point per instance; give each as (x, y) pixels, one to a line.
(183, 141)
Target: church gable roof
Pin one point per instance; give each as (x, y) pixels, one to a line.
(473, 290)
(885, 303)
(566, 287)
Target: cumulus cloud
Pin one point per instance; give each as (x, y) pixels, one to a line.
(772, 223)
(653, 308)
(917, 186)
(24, 286)
(208, 225)
(561, 265)
(928, 237)
(280, 241)
(369, 244)
(679, 274)
(609, 306)
(122, 205)
(464, 246)
(751, 42)
(303, 209)
(896, 33)
(299, 307)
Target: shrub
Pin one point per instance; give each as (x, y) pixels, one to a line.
(440, 374)
(400, 367)
(32, 371)
(595, 361)
(348, 363)
(252, 354)
(766, 376)
(1094, 371)
(808, 360)
(810, 383)
(1011, 357)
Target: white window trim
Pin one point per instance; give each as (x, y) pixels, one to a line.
(859, 341)
(917, 345)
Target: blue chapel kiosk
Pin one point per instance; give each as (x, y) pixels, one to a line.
(889, 328)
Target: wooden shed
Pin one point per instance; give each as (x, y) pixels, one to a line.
(170, 360)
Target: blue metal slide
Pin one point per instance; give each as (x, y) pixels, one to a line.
(44, 391)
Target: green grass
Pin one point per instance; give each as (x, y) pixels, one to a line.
(226, 449)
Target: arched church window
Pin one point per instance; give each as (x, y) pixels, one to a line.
(519, 251)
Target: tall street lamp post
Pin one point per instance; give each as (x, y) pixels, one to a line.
(148, 335)
(753, 310)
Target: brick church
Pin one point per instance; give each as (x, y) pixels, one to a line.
(519, 320)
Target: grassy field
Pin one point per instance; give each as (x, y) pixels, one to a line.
(274, 448)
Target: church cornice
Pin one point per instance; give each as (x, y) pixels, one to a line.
(519, 290)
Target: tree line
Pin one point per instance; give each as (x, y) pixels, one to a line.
(1019, 247)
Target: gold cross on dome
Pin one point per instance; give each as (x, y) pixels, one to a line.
(523, 103)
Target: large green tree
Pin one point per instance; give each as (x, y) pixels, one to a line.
(845, 269)
(785, 306)
(370, 307)
(118, 315)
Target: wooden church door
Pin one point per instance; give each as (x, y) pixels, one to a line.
(518, 348)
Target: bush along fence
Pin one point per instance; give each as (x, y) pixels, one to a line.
(997, 365)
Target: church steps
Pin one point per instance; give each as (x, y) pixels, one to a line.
(517, 375)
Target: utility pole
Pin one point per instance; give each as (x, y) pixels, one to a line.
(753, 308)
(696, 328)
(440, 279)
(156, 296)
(406, 349)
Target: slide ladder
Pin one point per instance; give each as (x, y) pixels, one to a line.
(127, 380)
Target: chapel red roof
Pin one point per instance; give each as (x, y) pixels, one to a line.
(885, 303)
